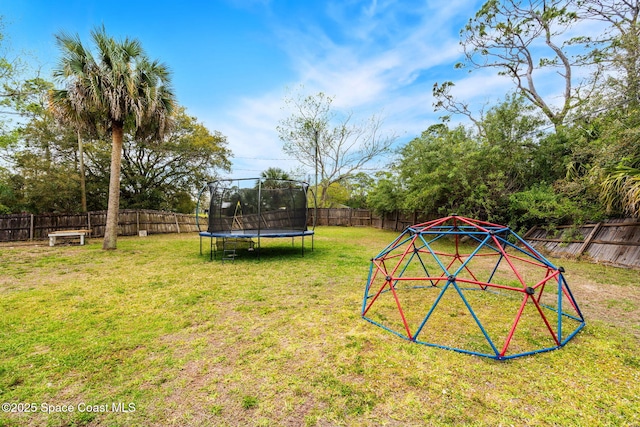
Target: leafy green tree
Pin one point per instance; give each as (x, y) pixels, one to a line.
(85, 122)
(45, 158)
(11, 194)
(337, 195)
(459, 171)
(159, 174)
(358, 187)
(509, 141)
(436, 169)
(541, 204)
(386, 194)
(121, 85)
(21, 92)
(614, 115)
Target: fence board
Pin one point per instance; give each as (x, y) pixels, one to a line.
(615, 242)
(22, 227)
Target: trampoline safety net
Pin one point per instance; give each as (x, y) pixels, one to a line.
(257, 206)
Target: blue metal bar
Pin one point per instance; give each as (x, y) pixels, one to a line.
(456, 349)
(424, 267)
(471, 256)
(386, 328)
(529, 353)
(567, 315)
(488, 245)
(397, 242)
(559, 333)
(571, 335)
(496, 267)
(433, 307)
(406, 265)
(575, 303)
(435, 239)
(366, 289)
(444, 269)
(484, 332)
(531, 251)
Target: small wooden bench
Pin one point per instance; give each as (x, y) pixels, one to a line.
(67, 233)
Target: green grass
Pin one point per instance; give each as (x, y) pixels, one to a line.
(154, 334)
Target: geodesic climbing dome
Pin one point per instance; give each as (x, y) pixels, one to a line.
(473, 287)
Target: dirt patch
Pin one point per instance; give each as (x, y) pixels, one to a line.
(608, 303)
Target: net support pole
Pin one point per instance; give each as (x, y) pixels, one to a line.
(259, 213)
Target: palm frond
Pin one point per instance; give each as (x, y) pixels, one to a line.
(621, 189)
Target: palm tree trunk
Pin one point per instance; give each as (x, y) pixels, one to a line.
(111, 230)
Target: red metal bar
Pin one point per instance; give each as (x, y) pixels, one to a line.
(513, 268)
(555, 338)
(404, 320)
(406, 251)
(477, 224)
(377, 295)
(433, 222)
(490, 285)
(513, 328)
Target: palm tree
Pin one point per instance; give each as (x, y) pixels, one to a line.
(273, 177)
(120, 86)
(621, 188)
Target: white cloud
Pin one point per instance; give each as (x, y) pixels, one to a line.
(376, 64)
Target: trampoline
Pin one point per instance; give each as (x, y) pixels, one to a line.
(241, 212)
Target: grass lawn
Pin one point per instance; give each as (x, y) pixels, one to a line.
(154, 334)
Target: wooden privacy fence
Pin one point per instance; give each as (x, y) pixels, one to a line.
(344, 217)
(396, 221)
(615, 242)
(20, 227)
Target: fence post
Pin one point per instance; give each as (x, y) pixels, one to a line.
(589, 238)
(31, 229)
(175, 216)
(530, 232)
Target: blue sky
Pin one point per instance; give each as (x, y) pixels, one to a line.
(233, 61)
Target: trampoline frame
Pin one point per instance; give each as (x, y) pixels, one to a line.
(256, 235)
